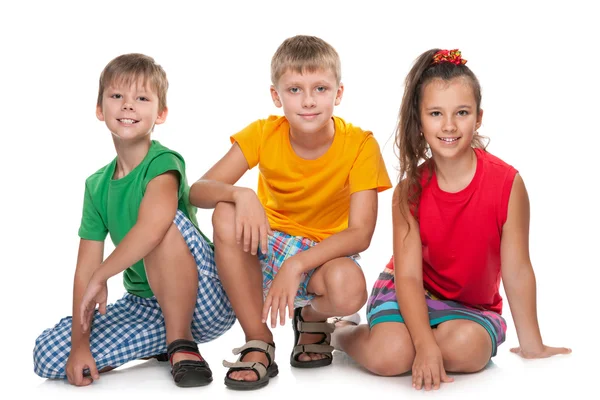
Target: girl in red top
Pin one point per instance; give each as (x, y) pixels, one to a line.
(461, 222)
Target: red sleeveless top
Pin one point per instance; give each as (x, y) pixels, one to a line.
(461, 233)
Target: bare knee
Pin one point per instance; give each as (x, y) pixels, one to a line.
(346, 287)
(223, 220)
(394, 357)
(466, 348)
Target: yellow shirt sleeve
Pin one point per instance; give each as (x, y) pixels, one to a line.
(249, 140)
(368, 170)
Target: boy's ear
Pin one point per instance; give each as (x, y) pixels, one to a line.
(99, 113)
(338, 94)
(275, 97)
(162, 116)
(479, 119)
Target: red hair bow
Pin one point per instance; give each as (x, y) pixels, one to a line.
(451, 56)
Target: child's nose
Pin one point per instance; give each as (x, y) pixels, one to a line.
(127, 107)
(449, 125)
(309, 101)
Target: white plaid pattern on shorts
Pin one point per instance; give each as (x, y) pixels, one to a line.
(133, 327)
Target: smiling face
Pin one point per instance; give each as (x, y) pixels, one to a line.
(130, 110)
(308, 99)
(449, 116)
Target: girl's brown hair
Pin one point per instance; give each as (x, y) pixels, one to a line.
(411, 145)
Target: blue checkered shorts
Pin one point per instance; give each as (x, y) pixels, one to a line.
(133, 327)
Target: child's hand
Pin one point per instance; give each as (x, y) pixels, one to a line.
(428, 369)
(545, 352)
(95, 293)
(251, 223)
(282, 292)
(79, 360)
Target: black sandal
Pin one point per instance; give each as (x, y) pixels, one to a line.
(323, 347)
(188, 373)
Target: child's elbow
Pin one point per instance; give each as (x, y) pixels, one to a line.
(364, 241)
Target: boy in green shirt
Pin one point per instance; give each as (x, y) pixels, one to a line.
(174, 297)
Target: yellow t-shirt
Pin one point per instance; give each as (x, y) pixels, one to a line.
(311, 198)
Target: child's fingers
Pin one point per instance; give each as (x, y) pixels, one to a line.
(70, 376)
(266, 307)
(291, 307)
(94, 371)
(282, 305)
(274, 310)
(264, 239)
(78, 376)
(247, 237)
(239, 231)
(417, 378)
(435, 379)
(427, 379)
(102, 308)
(446, 378)
(255, 238)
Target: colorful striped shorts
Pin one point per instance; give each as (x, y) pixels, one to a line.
(382, 306)
(281, 247)
(134, 327)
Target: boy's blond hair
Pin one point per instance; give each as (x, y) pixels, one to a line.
(128, 68)
(305, 54)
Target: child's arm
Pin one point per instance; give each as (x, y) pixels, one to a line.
(155, 216)
(217, 185)
(428, 366)
(89, 258)
(352, 240)
(519, 278)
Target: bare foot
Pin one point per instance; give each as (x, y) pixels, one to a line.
(250, 376)
(340, 323)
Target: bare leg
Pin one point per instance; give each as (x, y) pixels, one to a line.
(466, 346)
(340, 289)
(173, 276)
(385, 350)
(241, 277)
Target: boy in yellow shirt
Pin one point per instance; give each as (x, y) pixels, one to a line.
(314, 211)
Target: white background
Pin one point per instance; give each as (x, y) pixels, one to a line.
(538, 68)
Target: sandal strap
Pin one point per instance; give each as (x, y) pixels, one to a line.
(324, 349)
(183, 346)
(257, 367)
(256, 345)
(314, 327)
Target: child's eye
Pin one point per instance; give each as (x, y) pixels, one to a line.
(142, 98)
(116, 96)
(321, 89)
(294, 90)
(463, 113)
(435, 113)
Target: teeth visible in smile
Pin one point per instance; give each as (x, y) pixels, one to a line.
(128, 121)
(449, 140)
